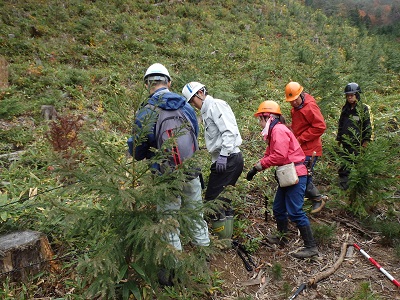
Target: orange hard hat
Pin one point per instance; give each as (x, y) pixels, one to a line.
(293, 91)
(268, 106)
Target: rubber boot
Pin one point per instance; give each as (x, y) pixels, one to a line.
(165, 278)
(312, 191)
(229, 223)
(344, 182)
(280, 238)
(318, 204)
(343, 178)
(317, 200)
(310, 247)
(219, 228)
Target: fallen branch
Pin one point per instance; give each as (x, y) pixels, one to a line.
(350, 224)
(313, 281)
(331, 270)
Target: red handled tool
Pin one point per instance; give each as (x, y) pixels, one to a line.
(373, 261)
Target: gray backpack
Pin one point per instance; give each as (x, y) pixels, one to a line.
(176, 135)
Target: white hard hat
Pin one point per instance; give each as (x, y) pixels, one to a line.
(191, 88)
(156, 72)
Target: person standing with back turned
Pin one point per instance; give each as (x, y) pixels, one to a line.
(308, 125)
(222, 139)
(158, 81)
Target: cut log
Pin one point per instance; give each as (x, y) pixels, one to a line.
(25, 253)
(49, 112)
(3, 73)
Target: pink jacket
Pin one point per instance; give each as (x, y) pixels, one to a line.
(308, 125)
(283, 149)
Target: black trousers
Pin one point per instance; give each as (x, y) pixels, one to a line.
(218, 181)
(344, 170)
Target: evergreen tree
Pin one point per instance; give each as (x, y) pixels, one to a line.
(112, 213)
(373, 169)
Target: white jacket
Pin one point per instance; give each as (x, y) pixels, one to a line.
(221, 132)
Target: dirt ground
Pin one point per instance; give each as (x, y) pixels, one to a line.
(278, 275)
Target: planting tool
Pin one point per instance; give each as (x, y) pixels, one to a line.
(298, 291)
(375, 263)
(310, 163)
(244, 255)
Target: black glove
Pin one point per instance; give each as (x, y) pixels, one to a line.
(251, 174)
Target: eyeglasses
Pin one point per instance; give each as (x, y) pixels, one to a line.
(194, 96)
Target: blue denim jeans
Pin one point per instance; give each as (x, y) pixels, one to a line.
(288, 203)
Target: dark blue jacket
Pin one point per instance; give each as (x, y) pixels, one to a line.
(146, 118)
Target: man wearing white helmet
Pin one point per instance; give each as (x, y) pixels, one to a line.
(158, 81)
(222, 139)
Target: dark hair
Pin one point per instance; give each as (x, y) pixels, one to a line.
(281, 118)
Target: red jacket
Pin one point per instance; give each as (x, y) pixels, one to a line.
(283, 149)
(308, 125)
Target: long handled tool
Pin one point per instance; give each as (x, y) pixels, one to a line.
(310, 163)
(298, 291)
(373, 261)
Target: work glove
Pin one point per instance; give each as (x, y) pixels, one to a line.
(251, 173)
(220, 165)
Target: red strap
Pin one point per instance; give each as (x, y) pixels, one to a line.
(175, 150)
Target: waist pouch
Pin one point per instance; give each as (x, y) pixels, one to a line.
(287, 175)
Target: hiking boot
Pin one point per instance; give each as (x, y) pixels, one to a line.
(310, 248)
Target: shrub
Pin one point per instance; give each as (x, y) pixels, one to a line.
(324, 234)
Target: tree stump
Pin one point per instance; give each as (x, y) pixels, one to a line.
(3, 73)
(25, 253)
(49, 112)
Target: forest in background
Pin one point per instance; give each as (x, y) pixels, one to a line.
(380, 16)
